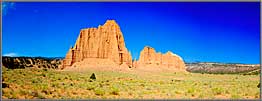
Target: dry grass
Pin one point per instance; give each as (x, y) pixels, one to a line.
(51, 84)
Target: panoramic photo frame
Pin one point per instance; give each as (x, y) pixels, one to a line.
(131, 50)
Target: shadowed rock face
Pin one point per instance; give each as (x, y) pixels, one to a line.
(35, 62)
(148, 56)
(104, 42)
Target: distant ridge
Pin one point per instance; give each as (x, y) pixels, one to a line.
(221, 68)
(199, 62)
(31, 62)
(42, 57)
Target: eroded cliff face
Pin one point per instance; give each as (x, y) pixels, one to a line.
(105, 47)
(149, 57)
(104, 42)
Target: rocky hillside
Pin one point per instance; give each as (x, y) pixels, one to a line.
(220, 68)
(24, 62)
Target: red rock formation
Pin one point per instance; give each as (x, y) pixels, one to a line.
(105, 47)
(148, 56)
(104, 42)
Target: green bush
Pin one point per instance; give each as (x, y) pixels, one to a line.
(14, 95)
(40, 95)
(190, 90)
(235, 96)
(99, 91)
(90, 87)
(217, 91)
(114, 90)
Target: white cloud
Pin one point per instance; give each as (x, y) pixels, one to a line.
(10, 54)
(7, 6)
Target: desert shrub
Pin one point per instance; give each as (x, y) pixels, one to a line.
(201, 95)
(55, 85)
(46, 91)
(99, 91)
(114, 90)
(227, 92)
(44, 86)
(235, 96)
(7, 92)
(22, 92)
(66, 77)
(217, 91)
(143, 85)
(5, 85)
(257, 94)
(45, 69)
(14, 95)
(190, 90)
(90, 87)
(34, 80)
(177, 92)
(40, 95)
(44, 74)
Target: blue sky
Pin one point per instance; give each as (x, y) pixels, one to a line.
(197, 31)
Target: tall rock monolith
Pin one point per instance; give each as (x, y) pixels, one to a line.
(104, 42)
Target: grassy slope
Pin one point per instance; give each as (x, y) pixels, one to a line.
(43, 83)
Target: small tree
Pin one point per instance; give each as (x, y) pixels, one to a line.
(93, 76)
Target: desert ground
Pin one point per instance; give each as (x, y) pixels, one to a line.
(35, 83)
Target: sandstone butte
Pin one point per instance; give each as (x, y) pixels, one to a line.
(94, 45)
(150, 58)
(104, 42)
